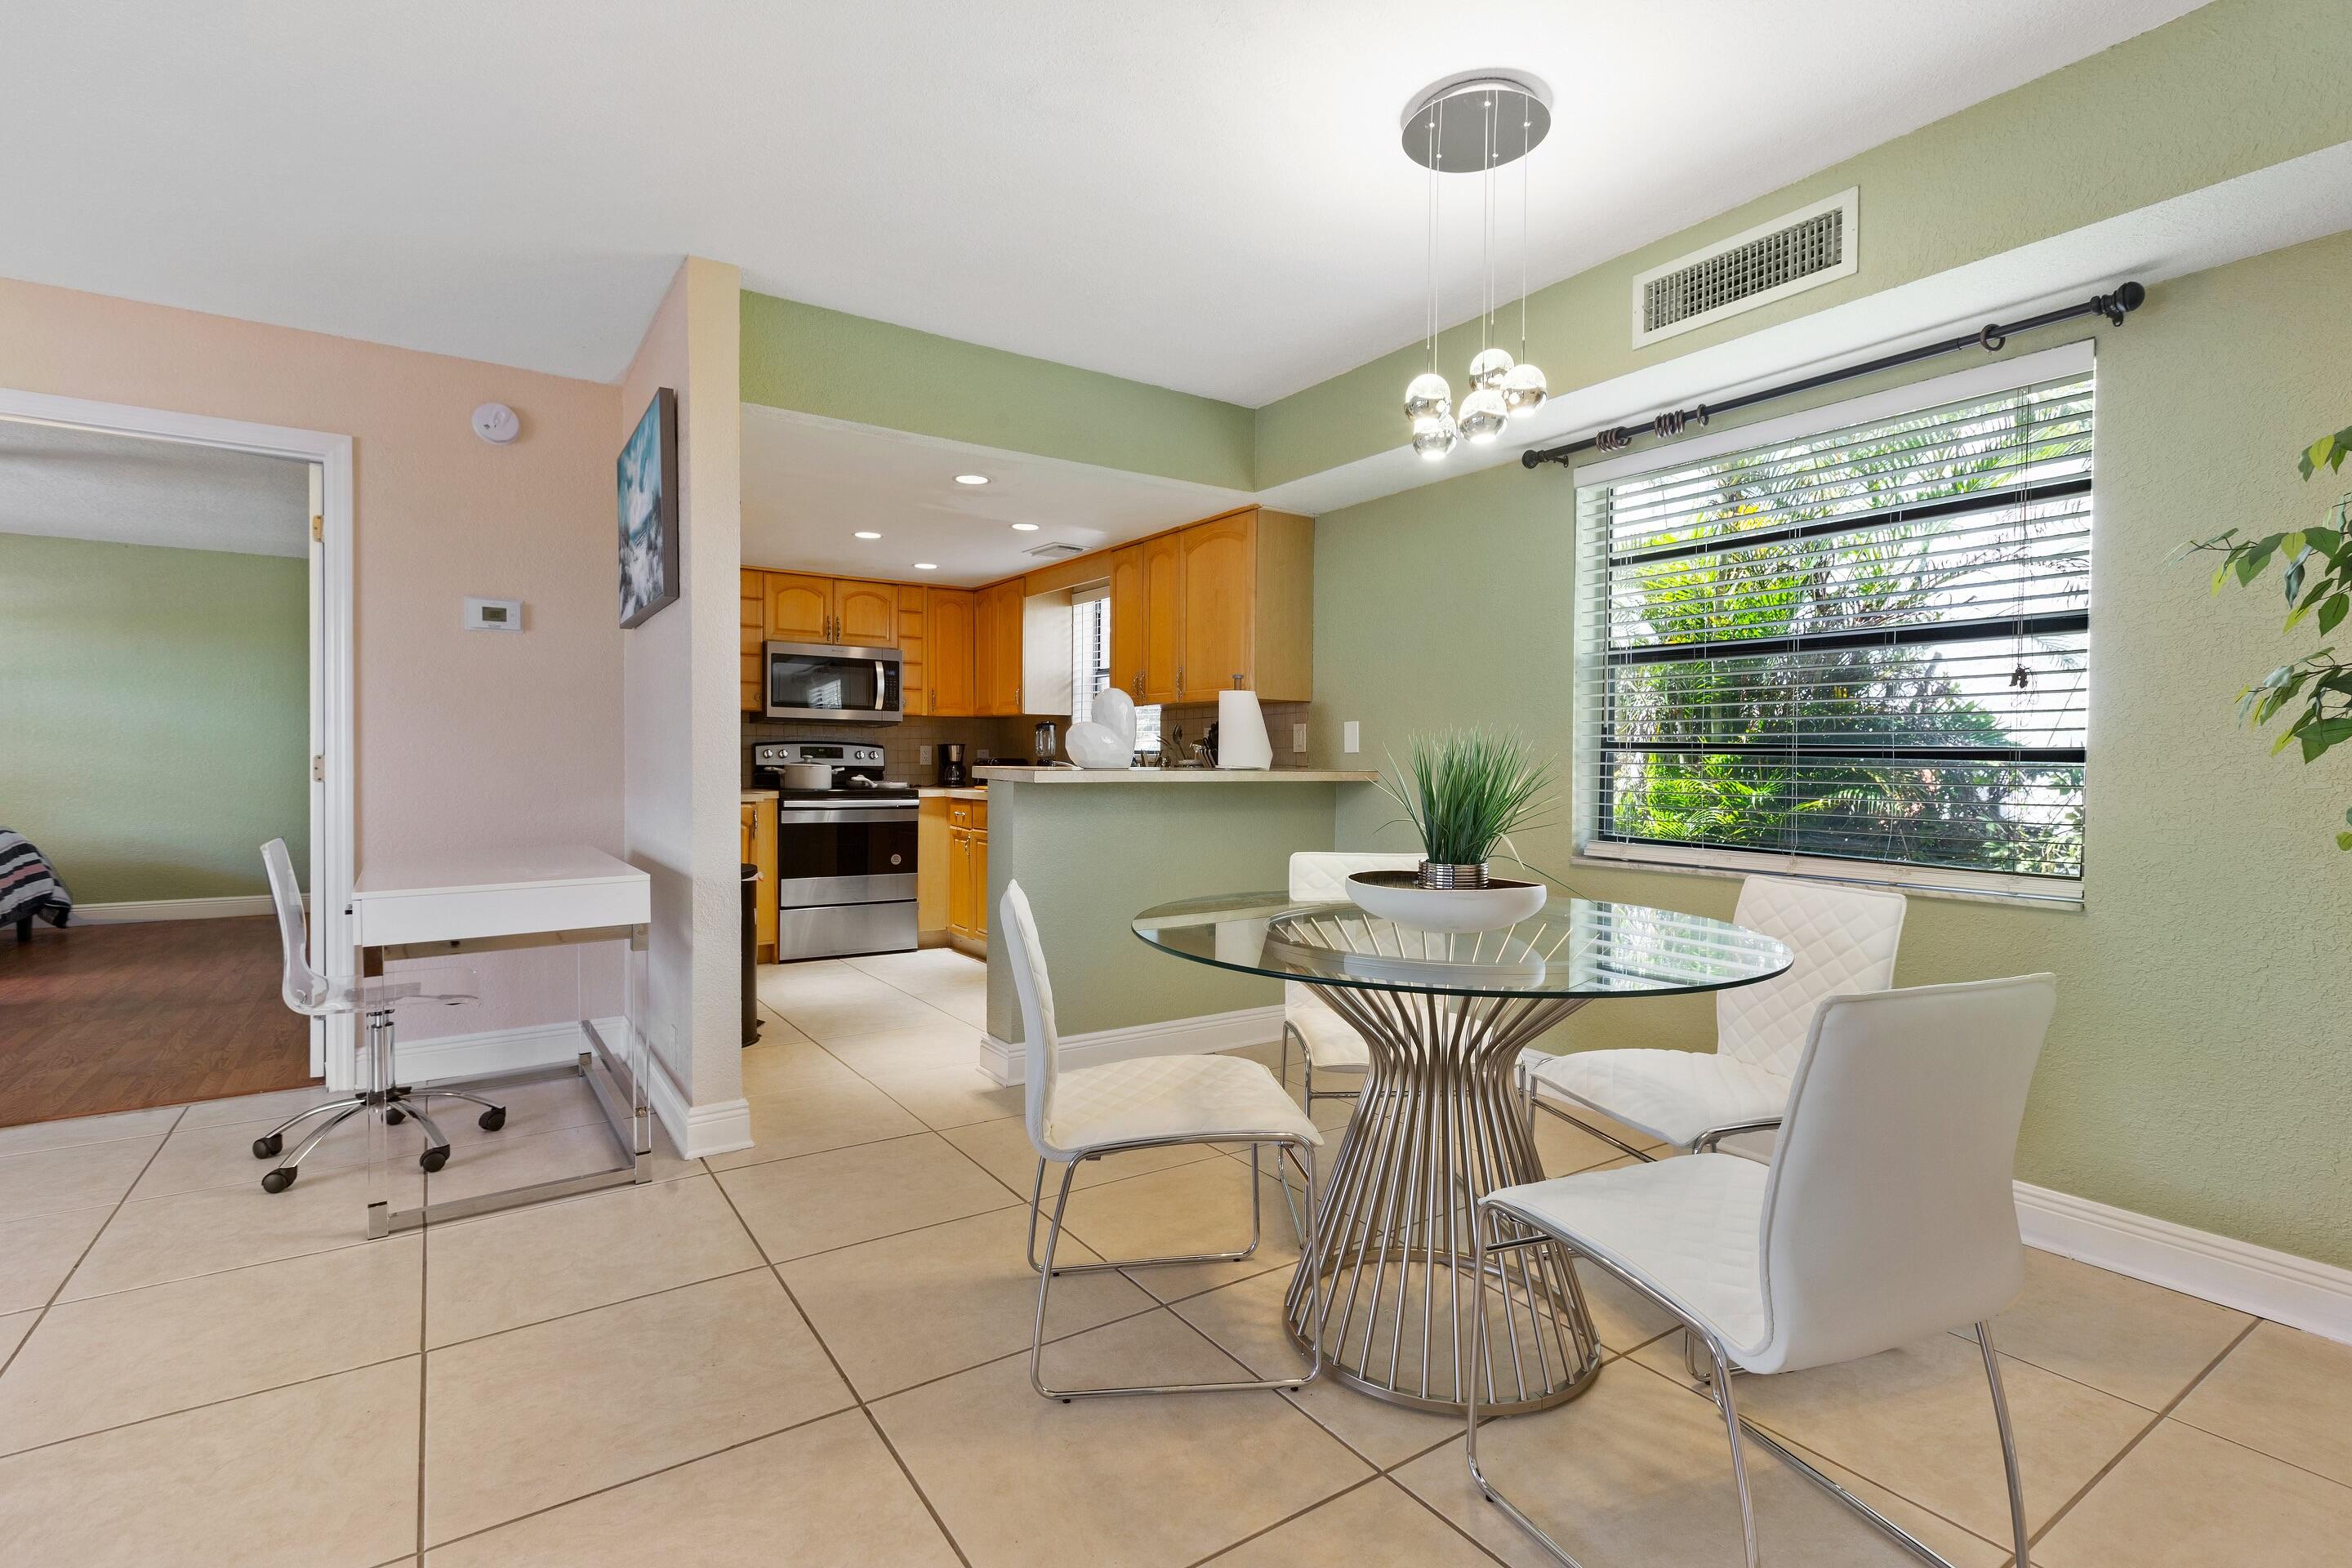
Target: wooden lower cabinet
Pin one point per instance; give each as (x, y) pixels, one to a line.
(759, 849)
(931, 866)
(960, 902)
(967, 869)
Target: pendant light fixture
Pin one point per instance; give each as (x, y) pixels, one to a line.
(1473, 124)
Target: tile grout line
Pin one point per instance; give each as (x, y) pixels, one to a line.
(423, 1358)
(848, 1386)
(2103, 1472)
(209, 1405)
(83, 1255)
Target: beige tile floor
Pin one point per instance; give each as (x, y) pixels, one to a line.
(813, 1352)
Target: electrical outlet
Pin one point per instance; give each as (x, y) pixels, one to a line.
(1298, 736)
(923, 756)
(1352, 737)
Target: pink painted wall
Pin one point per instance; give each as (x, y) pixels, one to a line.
(464, 737)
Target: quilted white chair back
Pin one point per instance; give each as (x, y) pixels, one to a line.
(1889, 1214)
(1320, 877)
(304, 988)
(1844, 940)
(1042, 1042)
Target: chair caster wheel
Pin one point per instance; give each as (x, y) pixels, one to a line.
(434, 1159)
(268, 1148)
(280, 1180)
(493, 1119)
(393, 1116)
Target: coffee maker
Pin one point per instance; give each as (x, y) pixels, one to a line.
(953, 774)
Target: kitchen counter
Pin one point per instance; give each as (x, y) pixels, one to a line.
(1173, 776)
(752, 796)
(934, 792)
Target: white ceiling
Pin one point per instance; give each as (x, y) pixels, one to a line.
(1205, 195)
(809, 484)
(131, 490)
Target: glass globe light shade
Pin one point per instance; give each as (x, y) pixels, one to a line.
(1488, 369)
(1524, 390)
(1483, 415)
(1434, 437)
(1428, 397)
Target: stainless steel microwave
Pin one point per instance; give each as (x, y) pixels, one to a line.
(824, 680)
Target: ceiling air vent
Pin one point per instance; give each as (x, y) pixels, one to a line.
(1805, 249)
(1056, 552)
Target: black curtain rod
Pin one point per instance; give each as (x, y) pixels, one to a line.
(2127, 297)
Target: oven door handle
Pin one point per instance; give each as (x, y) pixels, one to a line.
(800, 814)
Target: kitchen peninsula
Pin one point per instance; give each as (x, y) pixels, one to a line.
(1092, 849)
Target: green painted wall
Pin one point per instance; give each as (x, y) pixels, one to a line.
(822, 361)
(1092, 857)
(2201, 1066)
(2234, 87)
(154, 707)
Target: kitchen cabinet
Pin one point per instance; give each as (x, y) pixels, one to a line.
(968, 870)
(800, 607)
(980, 884)
(949, 651)
(1126, 619)
(759, 849)
(996, 646)
(864, 614)
(1218, 571)
(960, 899)
(914, 651)
(754, 631)
(1162, 572)
(931, 867)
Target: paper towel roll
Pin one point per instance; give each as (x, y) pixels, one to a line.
(1241, 740)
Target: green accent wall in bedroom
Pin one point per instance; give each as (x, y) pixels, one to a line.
(155, 710)
(2198, 1070)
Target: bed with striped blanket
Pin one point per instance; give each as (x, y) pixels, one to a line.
(29, 888)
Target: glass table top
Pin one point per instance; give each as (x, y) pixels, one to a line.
(1574, 947)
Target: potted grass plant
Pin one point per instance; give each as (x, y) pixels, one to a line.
(1465, 791)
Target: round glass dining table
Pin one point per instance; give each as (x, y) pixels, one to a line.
(1439, 1125)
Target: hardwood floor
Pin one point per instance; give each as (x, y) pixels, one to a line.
(120, 1018)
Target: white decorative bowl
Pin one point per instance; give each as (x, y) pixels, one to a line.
(1399, 896)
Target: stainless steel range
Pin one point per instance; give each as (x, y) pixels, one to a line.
(844, 849)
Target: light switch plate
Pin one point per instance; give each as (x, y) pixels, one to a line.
(1351, 737)
(1298, 736)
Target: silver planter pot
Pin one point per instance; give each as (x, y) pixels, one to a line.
(1436, 875)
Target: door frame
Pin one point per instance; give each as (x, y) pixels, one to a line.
(333, 799)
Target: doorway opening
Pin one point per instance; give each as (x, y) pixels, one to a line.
(175, 616)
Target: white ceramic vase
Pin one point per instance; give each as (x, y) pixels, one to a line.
(1096, 746)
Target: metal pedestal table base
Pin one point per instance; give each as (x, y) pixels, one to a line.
(1436, 1128)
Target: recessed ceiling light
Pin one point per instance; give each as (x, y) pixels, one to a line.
(971, 479)
(1024, 527)
(867, 533)
(927, 566)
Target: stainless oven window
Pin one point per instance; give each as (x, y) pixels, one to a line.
(831, 857)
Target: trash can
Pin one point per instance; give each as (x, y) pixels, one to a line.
(750, 954)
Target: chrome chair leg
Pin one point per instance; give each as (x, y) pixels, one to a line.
(2008, 1441)
(1036, 1205)
(351, 1103)
(1728, 1405)
(1478, 1221)
(280, 1176)
(1046, 1271)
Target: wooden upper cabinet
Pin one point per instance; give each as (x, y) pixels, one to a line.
(947, 652)
(996, 646)
(1163, 616)
(754, 621)
(1126, 620)
(914, 651)
(800, 607)
(1219, 599)
(864, 614)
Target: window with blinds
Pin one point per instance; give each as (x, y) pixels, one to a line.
(1868, 644)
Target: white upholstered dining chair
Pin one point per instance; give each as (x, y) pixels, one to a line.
(1887, 1214)
(1327, 1043)
(1844, 940)
(1147, 1102)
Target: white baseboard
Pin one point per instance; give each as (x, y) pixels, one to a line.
(1176, 1037)
(2276, 1285)
(719, 1128)
(173, 909)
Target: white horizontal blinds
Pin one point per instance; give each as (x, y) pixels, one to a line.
(1868, 644)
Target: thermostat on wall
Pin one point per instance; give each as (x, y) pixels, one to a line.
(493, 614)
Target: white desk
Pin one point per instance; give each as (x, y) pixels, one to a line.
(441, 905)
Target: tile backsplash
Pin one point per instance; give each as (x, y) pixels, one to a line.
(901, 743)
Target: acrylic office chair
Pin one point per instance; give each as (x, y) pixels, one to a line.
(1886, 1215)
(314, 995)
